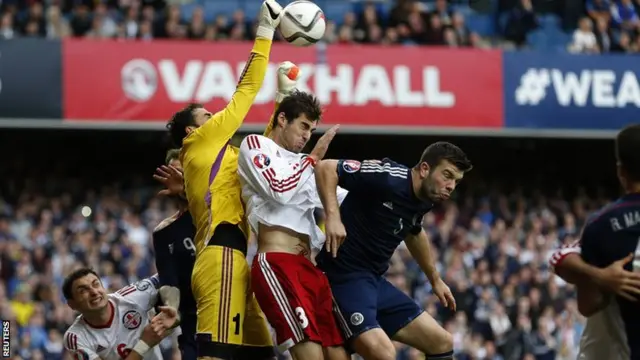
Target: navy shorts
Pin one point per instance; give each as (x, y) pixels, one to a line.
(369, 301)
(188, 347)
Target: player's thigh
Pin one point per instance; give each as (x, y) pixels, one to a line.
(373, 344)
(307, 350)
(258, 343)
(395, 309)
(425, 334)
(356, 296)
(219, 281)
(331, 323)
(285, 299)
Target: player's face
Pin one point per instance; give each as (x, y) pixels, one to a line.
(200, 116)
(441, 181)
(297, 133)
(88, 294)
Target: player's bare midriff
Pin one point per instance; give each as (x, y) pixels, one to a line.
(281, 239)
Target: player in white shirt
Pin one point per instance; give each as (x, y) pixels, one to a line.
(279, 190)
(603, 336)
(117, 326)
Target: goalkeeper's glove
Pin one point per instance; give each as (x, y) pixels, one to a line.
(268, 19)
(288, 74)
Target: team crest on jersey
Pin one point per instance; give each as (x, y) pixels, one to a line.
(142, 285)
(132, 320)
(351, 166)
(261, 161)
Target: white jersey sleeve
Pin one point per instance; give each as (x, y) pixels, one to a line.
(143, 292)
(79, 347)
(272, 176)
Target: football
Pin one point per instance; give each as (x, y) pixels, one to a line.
(302, 23)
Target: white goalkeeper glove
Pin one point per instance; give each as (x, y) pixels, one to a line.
(268, 19)
(288, 74)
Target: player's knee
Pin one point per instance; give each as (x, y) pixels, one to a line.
(443, 343)
(374, 345)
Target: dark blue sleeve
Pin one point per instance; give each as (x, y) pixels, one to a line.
(164, 260)
(367, 176)
(590, 245)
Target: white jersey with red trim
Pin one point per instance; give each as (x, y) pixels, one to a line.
(279, 188)
(131, 307)
(603, 337)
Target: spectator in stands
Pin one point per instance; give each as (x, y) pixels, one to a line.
(584, 40)
(599, 10)
(57, 25)
(624, 15)
(521, 20)
(604, 36)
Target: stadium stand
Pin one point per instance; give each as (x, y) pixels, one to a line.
(542, 25)
(98, 206)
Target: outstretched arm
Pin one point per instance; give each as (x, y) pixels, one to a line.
(226, 122)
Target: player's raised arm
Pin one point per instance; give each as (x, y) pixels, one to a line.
(274, 177)
(226, 122)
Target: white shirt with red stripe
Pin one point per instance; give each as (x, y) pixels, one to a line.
(603, 336)
(131, 307)
(279, 188)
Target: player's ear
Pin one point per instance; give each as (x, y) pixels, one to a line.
(424, 169)
(282, 120)
(189, 129)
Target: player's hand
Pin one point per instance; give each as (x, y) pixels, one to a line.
(335, 234)
(619, 281)
(320, 150)
(288, 74)
(150, 337)
(442, 291)
(171, 178)
(165, 321)
(268, 18)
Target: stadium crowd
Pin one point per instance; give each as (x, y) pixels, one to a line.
(610, 25)
(492, 251)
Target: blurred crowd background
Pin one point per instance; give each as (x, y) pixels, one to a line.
(61, 208)
(594, 26)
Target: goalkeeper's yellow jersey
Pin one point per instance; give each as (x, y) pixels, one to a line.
(210, 163)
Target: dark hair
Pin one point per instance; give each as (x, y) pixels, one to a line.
(442, 150)
(177, 126)
(172, 154)
(628, 151)
(67, 284)
(299, 103)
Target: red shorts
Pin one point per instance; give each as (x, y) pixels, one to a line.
(296, 298)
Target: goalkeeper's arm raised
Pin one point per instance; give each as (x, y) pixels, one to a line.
(226, 122)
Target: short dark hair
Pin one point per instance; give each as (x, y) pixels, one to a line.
(299, 103)
(628, 151)
(67, 284)
(172, 154)
(442, 150)
(177, 126)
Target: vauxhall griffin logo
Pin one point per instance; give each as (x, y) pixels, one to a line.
(139, 80)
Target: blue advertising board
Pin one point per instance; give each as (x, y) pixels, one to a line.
(566, 91)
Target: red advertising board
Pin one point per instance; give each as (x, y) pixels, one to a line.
(358, 85)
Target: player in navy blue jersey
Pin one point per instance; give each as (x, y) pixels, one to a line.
(613, 233)
(175, 256)
(385, 206)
